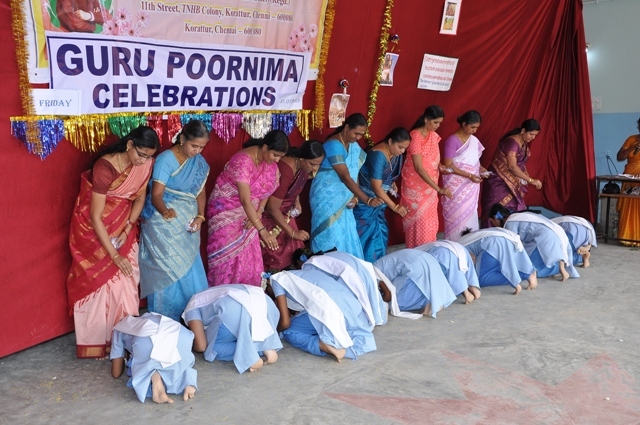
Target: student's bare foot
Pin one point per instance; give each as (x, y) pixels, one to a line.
(271, 355)
(338, 353)
(585, 259)
(475, 291)
(257, 365)
(427, 310)
(468, 298)
(564, 275)
(518, 289)
(189, 392)
(158, 390)
(533, 281)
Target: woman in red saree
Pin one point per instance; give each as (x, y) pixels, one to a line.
(102, 286)
(283, 205)
(420, 175)
(509, 177)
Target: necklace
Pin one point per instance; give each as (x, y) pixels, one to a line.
(346, 145)
(462, 138)
(181, 159)
(257, 159)
(120, 164)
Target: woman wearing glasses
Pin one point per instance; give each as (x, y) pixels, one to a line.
(103, 282)
(171, 269)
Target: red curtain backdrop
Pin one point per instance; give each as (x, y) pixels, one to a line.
(517, 60)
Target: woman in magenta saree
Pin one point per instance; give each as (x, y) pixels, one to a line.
(283, 205)
(462, 151)
(235, 209)
(102, 285)
(508, 182)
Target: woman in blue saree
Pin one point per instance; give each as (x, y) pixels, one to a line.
(334, 191)
(377, 177)
(171, 269)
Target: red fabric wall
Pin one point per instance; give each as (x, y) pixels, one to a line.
(517, 60)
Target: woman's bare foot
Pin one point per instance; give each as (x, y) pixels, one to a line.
(271, 355)
(585, 259)
(563, 272)
(158, 390)
(518, 289)
(427, 310)
(475, 291)
(257, 365)
(468, 298)
(189, 392)
(533, 280)
(338, 353)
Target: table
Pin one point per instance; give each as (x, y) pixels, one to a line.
(600, 195)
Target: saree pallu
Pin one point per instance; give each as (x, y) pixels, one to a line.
(332, 223)
(371, 222)
(281, 257)
(233, 252)
(421, 224)
(629, 208)
(461, 211)
(171, 268)
(91, 266)
(502, 187)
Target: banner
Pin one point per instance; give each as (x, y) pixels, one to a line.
(117, 74)
(293, 25)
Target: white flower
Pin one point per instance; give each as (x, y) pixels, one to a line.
(110, 28)
(122, 16)
(313, 30)
(302, 28)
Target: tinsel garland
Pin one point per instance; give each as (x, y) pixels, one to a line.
(383, 48)
(88, 132)
(32, 136)
(318, 114)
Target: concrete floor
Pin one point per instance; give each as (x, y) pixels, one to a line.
(565, 353)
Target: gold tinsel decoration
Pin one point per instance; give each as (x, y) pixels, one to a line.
(87, 132)
(22, 56)
(384, 47)
(302, 122)
(329, 16)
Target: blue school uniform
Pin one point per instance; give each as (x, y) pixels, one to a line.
(418, 279)
(458, 280)
(228, 331)
(306, 332)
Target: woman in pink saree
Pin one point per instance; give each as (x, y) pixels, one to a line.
(420, 175)
(235, 210)
(462, 151)
(102, 286)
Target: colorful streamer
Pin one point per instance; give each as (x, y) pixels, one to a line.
(284, 122)
(226, 125)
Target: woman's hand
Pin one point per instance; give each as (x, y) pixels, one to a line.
(270, 241)
(536, 183)
(300, 235)
(445, 192)
(444, 169)
(375, 202)
(122, 237)
(352, 203)
(196, 224)
(123, 264)
(401, 210)
(298, 206)
(474, 178)
(169, 214)
(394, 187)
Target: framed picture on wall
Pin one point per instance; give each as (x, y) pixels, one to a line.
(450, 17)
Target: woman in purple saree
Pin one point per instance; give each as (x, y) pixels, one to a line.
(508, 182)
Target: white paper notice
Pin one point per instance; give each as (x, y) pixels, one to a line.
(437, 73)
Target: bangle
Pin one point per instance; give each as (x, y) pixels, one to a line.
(254, 221)
(115, 256)
(368, 201)
(293, 234)
(201, 216)
(125, 231)
(131, 223)
(530, 180)
(396, 207)
(263, 228)
(469, 176)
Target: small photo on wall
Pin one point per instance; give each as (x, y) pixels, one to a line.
(338, 109)
(386, 76)
(450, 17)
